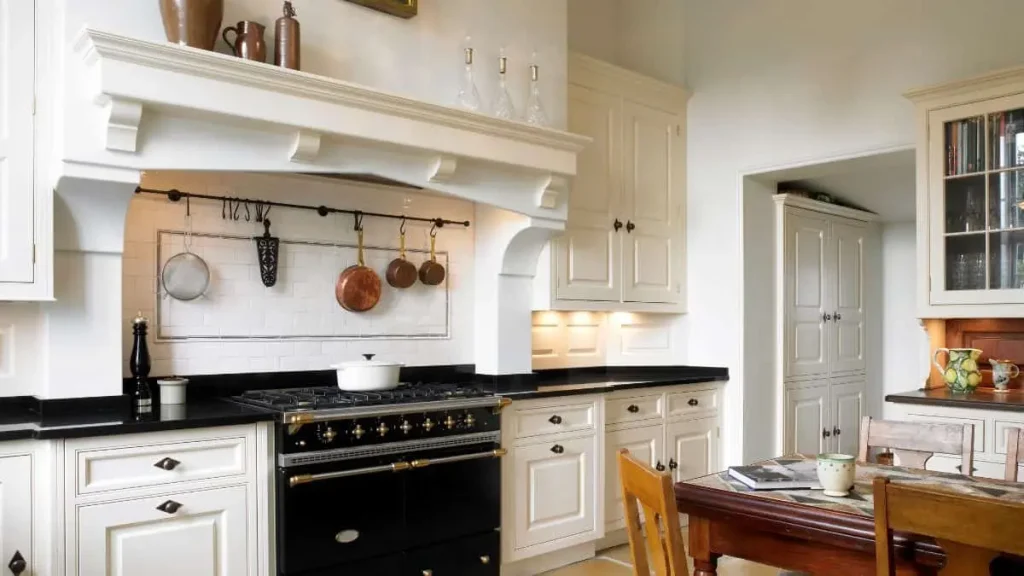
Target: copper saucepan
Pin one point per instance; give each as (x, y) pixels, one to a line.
(401, 273)
(432, 273)
(358, 286)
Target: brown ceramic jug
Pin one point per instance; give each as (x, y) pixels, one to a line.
(249, 43)
(192, 22)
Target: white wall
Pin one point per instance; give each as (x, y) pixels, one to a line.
(641, 35)
(905, 360)
(779, 83)
(420, 57)
(242, 326)
(578, 339)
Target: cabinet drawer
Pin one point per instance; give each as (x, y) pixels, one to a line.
(1000, 427)
(122, 467)
(979, 426)
(633, 408)
(692, 403)
(951, 464)
(554, 419)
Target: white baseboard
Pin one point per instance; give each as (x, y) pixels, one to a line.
(550, 561)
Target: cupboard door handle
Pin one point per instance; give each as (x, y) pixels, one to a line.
(556, 419)
(672, 464)
(825, 432)
(659, 466)
(557, 449)
(838, 316)
(17, 563)
(826, 316)
(167, 464)
(630, 226)
(169, 507)
(617, 224)
(836, 430)
(693, 402)
(632, 408)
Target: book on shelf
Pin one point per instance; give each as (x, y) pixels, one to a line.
(965, 146)
(795, 476)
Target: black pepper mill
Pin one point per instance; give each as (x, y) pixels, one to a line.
(139, 365)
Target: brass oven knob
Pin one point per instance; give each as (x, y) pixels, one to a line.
(469, 420)
(405, 427)
(449, 422)
(485, 559)
(383, 429)
(428, 424)
(327, 435)
(428, 573)
(358, 431)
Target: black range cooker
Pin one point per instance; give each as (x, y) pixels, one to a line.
(401, 482)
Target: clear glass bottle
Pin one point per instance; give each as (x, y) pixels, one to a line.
(503, 107)
(468, 96)
(534, 108)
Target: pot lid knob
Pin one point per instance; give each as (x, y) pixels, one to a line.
(369, 356)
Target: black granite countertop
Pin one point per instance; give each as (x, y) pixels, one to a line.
(21, 420)
(552, 383)
(982, 399)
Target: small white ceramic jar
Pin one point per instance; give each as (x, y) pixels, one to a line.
(172, 390)
(836, 473)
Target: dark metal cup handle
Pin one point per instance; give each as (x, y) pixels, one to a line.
(557, 449)
(233, 45)
(170, 507)
(693, 402)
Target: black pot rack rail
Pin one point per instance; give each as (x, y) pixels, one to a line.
(231, 207)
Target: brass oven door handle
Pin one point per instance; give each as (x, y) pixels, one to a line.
(394, 467)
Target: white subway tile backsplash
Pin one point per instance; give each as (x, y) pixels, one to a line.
(241, 325)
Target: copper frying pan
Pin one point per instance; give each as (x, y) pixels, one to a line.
(358, 286)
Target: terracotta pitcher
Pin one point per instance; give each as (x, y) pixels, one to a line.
(249, 43)
(192, 22)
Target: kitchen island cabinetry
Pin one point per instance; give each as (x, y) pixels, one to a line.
(560, 485)
(24, 526)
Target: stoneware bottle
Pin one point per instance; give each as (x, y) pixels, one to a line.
(286, 39)
(192, 22)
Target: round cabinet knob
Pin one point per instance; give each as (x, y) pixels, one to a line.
(617, 224)
(469, 421)
(630, 226)
(18, 564)
(485, 559)
(428, 424)
(449, 422)
(693, 402)
(660, 467)
(383, 429)
(358, 431)
(167, 464)
(405, 427)
(672, 464)
(557, 449)
(556, 419)
(632, 408)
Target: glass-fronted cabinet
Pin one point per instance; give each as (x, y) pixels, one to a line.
(976, 203)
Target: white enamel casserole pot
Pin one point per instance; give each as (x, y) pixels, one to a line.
(367, 375)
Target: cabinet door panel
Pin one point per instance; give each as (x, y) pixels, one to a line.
(654, 185)
(554, 486)
(16, 510)
(806, 293)
(588, 255)
(207, 536)
(847, 410)
(17, 85)
(846, 345)
(692, 448)
(645, 444)
(806, 419)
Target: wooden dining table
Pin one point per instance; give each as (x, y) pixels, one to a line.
(806, 531)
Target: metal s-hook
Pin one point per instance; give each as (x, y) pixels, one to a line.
(401, 228)
(188, 205)
(238, 206)
(358, 217)
(433, 230)
(247, 215)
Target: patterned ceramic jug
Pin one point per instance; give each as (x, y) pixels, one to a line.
(961, 371)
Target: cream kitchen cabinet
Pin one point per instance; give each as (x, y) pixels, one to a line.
(182, 502)
(646, 444)
(970, 197)
(692, 447)
(24, 522)
(25, 203)
(624, 247)
(824, 417)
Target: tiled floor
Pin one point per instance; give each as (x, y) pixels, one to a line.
(616, 562)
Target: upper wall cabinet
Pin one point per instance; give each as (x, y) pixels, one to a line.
(22, 275)
(624, 247)
(970, 197)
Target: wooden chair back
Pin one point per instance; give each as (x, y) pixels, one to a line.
(1014, 452)
(972, 531)
(915, 442)
(645, 488)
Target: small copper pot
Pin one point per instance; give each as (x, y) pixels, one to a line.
(432, 273)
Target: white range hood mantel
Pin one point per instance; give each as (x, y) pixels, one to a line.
(164, 106)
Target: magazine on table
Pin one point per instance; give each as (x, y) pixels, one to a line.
(795, 476)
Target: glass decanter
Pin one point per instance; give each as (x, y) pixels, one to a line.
(534, 108)
(503, 107)
(468, 96)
